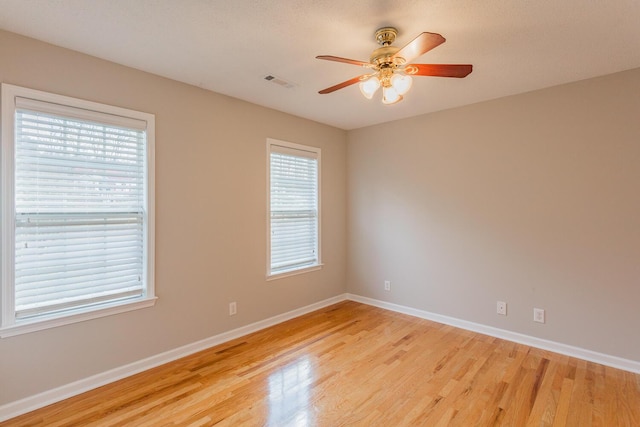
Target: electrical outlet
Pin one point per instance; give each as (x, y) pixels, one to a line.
(501, 308)
(387, 285)
(538, 315)
(233, 308)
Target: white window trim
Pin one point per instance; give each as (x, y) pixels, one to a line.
(9, 326)
(271, 142)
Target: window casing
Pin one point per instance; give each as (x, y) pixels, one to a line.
(77, 210)
(293, 205)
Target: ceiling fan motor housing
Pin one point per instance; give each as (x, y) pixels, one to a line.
(382, 57)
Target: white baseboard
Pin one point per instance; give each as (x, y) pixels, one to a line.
(19, 407)
(568, 350)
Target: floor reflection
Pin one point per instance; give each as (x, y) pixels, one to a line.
(289, 395)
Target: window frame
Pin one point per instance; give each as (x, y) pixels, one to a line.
(317, 153)
(9, 325)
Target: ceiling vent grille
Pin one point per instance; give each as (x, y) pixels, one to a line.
(280, 82)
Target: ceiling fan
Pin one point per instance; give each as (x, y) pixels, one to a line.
(391, 69)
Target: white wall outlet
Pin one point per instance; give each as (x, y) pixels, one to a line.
(538, 315)
(501, 308)
(233, 308)
(387, 285)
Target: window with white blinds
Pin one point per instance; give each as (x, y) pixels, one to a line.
(294, 214)
(79, 216)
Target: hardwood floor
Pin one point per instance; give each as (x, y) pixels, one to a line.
(356, 365)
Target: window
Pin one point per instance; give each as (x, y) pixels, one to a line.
(294, 208)
(77, 210)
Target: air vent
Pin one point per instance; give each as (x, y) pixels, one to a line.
(280, 82)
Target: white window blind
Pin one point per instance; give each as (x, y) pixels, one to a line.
(294, 225)
(79, 208)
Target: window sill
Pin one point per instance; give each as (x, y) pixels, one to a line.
(38, 324)
(294, 272)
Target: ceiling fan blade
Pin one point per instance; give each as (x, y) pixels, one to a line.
(345, 60)
(419, 46)
(439, 70)
(342, 85)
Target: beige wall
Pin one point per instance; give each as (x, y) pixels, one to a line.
(210, 219)
(532, 199)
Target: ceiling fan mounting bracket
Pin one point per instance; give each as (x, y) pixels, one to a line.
(386, 35)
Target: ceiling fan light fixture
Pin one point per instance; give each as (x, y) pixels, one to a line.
(401, 83)
(390, 95)
(393, 68)
(369, 86)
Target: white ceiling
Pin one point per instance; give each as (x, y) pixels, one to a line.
(228, 46)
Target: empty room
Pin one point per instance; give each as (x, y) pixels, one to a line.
(319, 213)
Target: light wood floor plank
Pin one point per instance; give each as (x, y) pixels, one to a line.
(356, 365)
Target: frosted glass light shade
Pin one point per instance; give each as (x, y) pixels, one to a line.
(369, 87)
(401, 83)
(390, 95)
